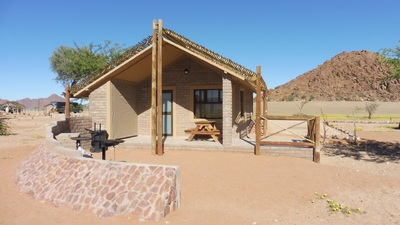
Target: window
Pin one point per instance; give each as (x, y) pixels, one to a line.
(208, 103)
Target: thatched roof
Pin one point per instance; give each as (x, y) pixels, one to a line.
(185, 43)
(210, 55)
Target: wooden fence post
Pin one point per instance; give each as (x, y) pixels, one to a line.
(317, 136)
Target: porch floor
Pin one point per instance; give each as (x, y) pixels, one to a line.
(180, 143)
(246, 145)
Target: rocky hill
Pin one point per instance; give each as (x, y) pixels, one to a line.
(349, 76)
(31, 104)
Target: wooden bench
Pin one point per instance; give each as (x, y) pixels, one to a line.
(216, 132)
(206, 128)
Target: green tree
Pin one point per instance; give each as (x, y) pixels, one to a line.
(392, 57)
(75, 64)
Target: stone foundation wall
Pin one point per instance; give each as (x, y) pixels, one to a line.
(98, 105)
(75, 126)
(78, 125)
(296, 152)
(61, 126)
(107, 188)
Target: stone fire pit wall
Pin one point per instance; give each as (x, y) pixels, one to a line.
(107, 188)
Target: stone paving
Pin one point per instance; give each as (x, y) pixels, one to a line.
(107, 188)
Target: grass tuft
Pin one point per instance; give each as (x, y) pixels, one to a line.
(336, 207)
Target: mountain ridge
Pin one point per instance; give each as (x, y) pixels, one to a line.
(348, 76)
(36, 103)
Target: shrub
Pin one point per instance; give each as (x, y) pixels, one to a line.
(371, 108)
(4, 128)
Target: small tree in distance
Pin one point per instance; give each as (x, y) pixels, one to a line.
(325, 126)
(301, 106)
(371, 107)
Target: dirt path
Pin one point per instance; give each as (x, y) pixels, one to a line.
(226, 188)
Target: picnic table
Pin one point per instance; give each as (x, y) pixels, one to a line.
(204, 128)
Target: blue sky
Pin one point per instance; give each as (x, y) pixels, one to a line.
(286, 38)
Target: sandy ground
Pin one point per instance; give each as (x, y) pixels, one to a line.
(233, 188)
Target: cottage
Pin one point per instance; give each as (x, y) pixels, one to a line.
(12, 107)
(197, 85)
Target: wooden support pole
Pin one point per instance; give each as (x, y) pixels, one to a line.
(317, 137)
(258, 112)
(67, 110)
(160, 147)
(154, 90)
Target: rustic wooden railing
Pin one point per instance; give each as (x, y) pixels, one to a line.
(312, 139)
(261, 119)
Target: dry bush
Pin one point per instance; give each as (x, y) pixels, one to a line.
(4, 128)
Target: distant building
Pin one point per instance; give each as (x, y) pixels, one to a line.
(60, 107)
(12, 107)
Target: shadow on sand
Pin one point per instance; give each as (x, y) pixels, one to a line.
(367, 150)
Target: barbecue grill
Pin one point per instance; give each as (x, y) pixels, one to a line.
(99, 140)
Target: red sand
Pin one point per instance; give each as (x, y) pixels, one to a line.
(226, 188)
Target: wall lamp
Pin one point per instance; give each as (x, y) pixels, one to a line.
(186, 71)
